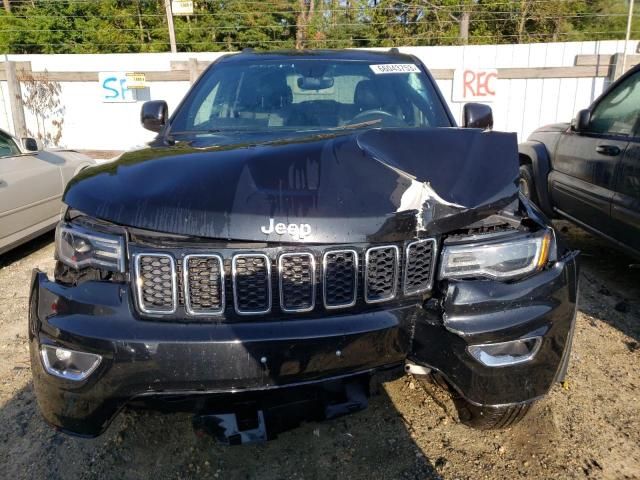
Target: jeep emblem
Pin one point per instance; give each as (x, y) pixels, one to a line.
(293, 229)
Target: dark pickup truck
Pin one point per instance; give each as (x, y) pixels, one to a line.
(304, 223)
(589, 171)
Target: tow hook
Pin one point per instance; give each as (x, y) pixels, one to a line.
(259, 422)
(232, 428)
(415, 369)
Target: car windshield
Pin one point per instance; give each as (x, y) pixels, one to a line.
(306, 94)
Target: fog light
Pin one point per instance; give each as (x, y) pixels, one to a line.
(69, 364)
(506, 353)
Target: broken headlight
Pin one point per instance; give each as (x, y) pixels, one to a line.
(500, 260)
(80, 247)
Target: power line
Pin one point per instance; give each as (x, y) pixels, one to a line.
(418, 14)
(405, 7)
(280, 4)
(285, 25)
(320, 41)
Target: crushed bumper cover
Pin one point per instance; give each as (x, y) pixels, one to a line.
(144, 359)
(483, 312)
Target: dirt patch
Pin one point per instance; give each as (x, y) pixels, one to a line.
(589, 428)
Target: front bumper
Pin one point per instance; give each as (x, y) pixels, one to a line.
(143, 358)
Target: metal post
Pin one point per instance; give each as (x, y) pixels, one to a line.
(193, 70)
(15, 99)
(626, 40)
(172, 32)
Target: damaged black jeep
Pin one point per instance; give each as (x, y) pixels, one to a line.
(303, 223)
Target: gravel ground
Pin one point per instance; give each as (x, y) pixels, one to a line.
(587, 428)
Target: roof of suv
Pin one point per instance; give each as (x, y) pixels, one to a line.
(355, 55)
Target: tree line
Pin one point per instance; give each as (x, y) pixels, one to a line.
(118, 26)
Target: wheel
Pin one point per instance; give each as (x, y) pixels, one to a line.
(480, 418)
(527, 187)
(490, 418)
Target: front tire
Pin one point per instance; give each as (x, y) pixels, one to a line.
(527, 186)
(490, 418)
(480, 418)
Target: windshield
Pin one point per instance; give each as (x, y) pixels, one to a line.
(310, 95)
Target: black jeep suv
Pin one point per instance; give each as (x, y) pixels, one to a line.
(304, 222)
(589, 171)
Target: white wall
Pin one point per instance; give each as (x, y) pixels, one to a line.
(521, 104)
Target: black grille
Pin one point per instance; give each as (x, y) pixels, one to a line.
(251, 284)
(297, 282)
(381, 273)
(204, 284)
(419, 266)
(156, 283)
(223, 282)
(340, 278)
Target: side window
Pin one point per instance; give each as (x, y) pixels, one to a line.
(619, 110)
(7, 146)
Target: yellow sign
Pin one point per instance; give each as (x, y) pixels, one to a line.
(179, 7)
(136, 80)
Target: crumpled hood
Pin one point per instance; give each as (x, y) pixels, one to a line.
(376, 185)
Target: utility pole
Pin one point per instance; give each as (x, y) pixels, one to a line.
(172, 32)
(15, 99)
(626, 40)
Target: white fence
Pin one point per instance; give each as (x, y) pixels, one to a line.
(525, 99)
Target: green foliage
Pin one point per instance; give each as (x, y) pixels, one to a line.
(101, 26)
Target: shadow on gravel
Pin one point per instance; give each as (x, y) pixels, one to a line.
(610, 281)
(374, 443)
(26, 249)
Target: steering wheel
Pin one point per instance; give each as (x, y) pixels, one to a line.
(386, 119)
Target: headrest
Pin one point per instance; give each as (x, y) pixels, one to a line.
(367, 95)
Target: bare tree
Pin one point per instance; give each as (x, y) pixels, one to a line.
(305, 14)
(463, 19)
(42, 99)
(524, 10)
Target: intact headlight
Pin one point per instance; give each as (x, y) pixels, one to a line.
(501, 260)
(80, 247)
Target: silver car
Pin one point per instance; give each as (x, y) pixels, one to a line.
(31, 184)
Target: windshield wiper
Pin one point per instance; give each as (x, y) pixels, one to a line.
(220, 130)
(195, 132)
(358, 125)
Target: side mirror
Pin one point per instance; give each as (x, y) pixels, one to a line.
(31, 144)
(582, 120)
(154, 115)
(477, 115)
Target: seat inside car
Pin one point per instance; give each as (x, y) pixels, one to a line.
(265, 100)
(367, 96)
(374, 95)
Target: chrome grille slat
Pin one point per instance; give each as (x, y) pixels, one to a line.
(340, 278)
(251, 277)
(381, 273)
(156, 283)
(419, 268)
(297, 282)
(203, 280)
